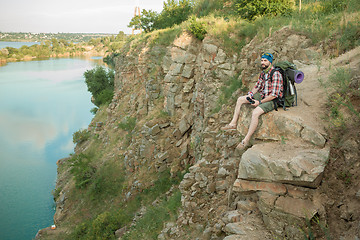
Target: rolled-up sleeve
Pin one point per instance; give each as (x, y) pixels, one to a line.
(259, 86)
(277, 85)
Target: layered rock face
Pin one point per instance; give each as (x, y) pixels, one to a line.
(270, 189)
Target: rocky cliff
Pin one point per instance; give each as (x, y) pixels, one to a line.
(271, 177)
(268, 191)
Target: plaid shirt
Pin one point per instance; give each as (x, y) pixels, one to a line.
(265, 86)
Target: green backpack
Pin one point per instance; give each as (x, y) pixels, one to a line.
(290, 76)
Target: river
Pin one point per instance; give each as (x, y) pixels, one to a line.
(17, 44)
(42, 103)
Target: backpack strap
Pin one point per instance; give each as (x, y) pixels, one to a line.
(279, 101)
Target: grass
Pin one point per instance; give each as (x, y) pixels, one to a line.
(315, 21)
(108, 181)
(103, 223)
(128, 124)
(340, 95)
(345, 176)
(164, 37)
(315, 227)
(151, 223)
(340, 80)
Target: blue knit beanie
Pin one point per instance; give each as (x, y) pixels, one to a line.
(268, 56)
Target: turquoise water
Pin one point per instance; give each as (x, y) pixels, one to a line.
(41, 104)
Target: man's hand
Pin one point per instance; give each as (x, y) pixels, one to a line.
(256, 103)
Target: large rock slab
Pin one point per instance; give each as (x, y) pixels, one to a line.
(245, 186)
(274, 162)
(280, 125)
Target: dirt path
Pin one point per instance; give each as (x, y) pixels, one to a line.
(312, 96)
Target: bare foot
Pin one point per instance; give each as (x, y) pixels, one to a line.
(228, 127)
(242, 145)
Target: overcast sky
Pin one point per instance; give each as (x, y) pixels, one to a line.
(85, 16)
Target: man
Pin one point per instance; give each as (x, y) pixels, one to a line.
(261, 97)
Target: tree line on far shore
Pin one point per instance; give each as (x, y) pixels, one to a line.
(58, 47)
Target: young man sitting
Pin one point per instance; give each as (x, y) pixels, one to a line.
(261, 97)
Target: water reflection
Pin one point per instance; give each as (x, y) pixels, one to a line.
(41, 104)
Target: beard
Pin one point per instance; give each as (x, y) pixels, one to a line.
(263, 66)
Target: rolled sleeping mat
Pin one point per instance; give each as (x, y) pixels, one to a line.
(295, 75)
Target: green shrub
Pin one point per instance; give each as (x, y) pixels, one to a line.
(81, 136)
(82, 170)
(197, 28)
(104, 97)
(104, 226)
(251, 9)
(80, 231)
(94, 110)
(333, 6)
(107, 181)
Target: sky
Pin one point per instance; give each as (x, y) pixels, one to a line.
(71, 16)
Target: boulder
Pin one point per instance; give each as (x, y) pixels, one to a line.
(280, 125)
(285, 215)
(284, 163)
(178, 55)
(184, 126)
(302, 208)
(188, 71)
(235, 228)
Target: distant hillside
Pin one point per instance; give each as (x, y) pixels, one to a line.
(41, 37)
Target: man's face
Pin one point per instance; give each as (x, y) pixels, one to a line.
(265, 63)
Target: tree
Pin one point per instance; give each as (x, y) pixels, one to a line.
(121, 36)
(145, 22)
(174, 12)
(101, 84)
